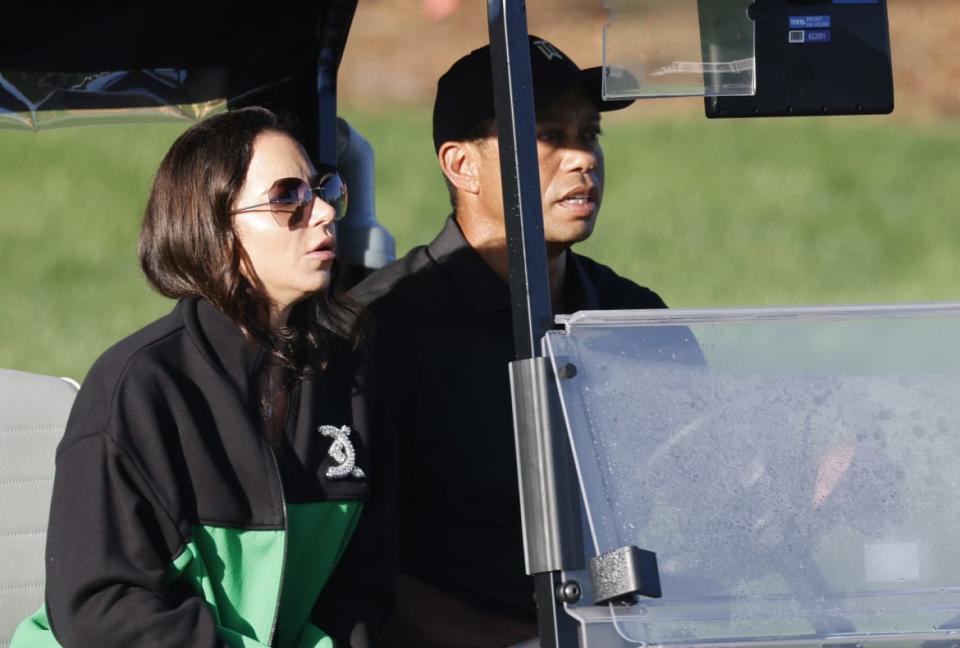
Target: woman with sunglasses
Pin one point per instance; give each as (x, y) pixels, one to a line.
(216, 462)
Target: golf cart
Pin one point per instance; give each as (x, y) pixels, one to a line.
(795, 489)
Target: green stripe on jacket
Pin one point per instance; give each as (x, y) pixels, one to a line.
(238, 573)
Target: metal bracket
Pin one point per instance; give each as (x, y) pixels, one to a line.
(549, 498)
(619, 576)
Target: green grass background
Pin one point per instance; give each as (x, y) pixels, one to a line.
(725, 213)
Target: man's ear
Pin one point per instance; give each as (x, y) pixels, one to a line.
(458, 161)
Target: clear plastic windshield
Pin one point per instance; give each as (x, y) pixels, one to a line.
(678, 48)
(795, 470)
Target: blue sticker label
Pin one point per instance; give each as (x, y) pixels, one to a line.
(809, 22)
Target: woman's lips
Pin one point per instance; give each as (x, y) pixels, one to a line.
(324, 251)
(323, 255)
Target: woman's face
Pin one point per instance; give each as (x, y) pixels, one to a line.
(285, 263)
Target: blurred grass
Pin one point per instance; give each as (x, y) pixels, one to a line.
(70, 208)
(729, 213)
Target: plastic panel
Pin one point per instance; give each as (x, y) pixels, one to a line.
(799, 485)
(678, 48)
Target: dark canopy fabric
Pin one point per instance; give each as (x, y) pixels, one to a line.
(146, 54)
(139, 34)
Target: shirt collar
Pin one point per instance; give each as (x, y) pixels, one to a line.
(483, 288)
(480, 286)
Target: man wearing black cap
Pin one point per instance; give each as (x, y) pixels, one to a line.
(444, 338)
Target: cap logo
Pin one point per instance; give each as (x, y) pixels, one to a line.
(548, 50)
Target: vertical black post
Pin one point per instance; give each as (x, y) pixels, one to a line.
(327, 108)
(333, 30)
(516, 129)
(523, 211)
(309, 96)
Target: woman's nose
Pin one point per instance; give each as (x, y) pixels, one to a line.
(320, 212)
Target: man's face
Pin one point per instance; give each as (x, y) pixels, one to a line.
(571, 170)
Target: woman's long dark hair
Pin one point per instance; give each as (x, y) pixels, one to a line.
(189, 247)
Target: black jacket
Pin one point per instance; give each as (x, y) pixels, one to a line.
(165, 454)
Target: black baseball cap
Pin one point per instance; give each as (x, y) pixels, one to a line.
(465, 92)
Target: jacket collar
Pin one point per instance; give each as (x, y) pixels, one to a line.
(483, 288)
(221, 342)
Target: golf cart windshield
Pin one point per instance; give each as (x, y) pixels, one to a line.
(752, 58)
(799, 484)
(678, 49)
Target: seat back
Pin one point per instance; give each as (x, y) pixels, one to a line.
(33, 413)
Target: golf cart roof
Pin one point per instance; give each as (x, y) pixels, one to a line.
(141, 56)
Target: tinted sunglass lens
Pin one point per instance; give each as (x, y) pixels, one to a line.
(288, 192)
(296, 216)
(303, 199)
(289, 197)
(333, 191)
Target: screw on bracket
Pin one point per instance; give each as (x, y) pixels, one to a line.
(568, 370)
(569, 592)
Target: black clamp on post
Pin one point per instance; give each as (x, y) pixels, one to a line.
(619, 576)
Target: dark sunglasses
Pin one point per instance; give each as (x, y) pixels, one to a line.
(290, 197)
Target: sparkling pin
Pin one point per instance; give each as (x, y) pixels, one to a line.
(342, 452)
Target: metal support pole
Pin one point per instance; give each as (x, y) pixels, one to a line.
(549, 504)
(523, 212)
(326, 109)
(549, 499)
(520, 174)
(333, 31)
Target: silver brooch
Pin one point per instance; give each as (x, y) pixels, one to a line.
(342, 452)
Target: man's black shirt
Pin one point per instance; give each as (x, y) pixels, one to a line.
(443, 339)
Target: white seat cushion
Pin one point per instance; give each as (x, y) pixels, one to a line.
(33, 413)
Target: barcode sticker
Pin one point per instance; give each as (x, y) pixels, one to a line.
(808, 36)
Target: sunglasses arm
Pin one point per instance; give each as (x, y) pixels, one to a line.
(249, 207)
